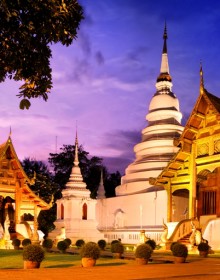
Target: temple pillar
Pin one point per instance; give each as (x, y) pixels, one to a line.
(169, 202)
(192, 186)
(18, 196)
(35, 237)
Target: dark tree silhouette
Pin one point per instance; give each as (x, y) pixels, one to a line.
(27, 29)
(91, 167)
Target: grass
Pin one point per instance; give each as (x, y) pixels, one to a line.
(13, 259)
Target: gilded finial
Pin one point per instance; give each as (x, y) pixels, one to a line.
(76, 133)
(76, 160)
(201, 79)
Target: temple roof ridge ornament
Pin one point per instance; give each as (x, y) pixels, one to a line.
(201, 79)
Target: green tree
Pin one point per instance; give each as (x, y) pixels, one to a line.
(91, 167)
(27, 29)
(111, 182)
(45, 188)
(46, 219)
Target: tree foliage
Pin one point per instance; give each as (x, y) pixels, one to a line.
(45, 188)
(91, 167)
(27, 29)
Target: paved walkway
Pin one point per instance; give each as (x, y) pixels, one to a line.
(194, 268)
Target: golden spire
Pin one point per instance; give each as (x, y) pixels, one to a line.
(76, 159)
(201, 79)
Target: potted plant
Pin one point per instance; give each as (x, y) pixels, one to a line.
(16, 243)
(47, 244)
(102, 244)
(79, 243)
(89, 253)
(152, 243)
(203, 248)
(62, 246)
(180, 252)
(143, 253)
(26, 242)
(33, 255)
(68, 241)
(117, 249)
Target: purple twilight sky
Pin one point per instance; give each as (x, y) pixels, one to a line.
(105, 80)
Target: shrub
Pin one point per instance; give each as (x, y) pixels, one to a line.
(68, 241)
(16, 242)
(26, 242)
(203, 246)
(152, 243)
(33, 252)
(79, 243)
(102, 244)
(114, 241)
(117, 247)
(179, 250)
(90, 250)
(143, 251)
(62, 246)
(172, 244)
(47, 243)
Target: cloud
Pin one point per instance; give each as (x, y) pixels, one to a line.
(114, 164)
(99, 58)
(84, 42)
(122, 143)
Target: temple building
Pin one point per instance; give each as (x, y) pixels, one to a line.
(192, 177)
(170, 191)
(19, 205)
(138, 206)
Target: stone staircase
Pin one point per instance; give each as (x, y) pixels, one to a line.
(185, 239)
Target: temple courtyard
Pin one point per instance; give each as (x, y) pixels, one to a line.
(162, 268)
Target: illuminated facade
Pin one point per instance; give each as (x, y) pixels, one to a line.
(19, 206)
(192, 178)
(172, 187)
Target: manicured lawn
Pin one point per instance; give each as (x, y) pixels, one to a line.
(13, 259)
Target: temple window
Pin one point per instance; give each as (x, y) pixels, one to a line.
(209, 203)
(84, 211)
(61, 211)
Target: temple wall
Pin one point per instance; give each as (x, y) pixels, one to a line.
(133, 211)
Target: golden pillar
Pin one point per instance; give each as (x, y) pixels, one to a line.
(35, 237)
(18, 198)
(192, 186)
(169, 202)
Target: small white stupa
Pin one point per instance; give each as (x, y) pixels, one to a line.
(101, 188)
(76, 210)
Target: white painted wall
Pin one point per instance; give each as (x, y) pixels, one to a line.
(137, 211)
